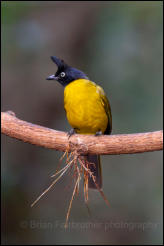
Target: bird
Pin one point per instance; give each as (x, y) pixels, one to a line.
(87, 109)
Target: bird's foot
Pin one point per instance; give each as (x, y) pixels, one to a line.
(71, 132)
(99, 133)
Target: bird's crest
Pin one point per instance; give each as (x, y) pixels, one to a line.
(60, 63)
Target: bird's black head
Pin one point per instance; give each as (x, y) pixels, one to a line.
(65, 74)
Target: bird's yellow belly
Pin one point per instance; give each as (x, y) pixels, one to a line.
(84, 109)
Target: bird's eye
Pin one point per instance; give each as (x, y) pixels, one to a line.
(62, 74)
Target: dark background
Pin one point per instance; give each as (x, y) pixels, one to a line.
(119, 46)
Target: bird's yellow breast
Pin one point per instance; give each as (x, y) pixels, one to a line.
(84, 106)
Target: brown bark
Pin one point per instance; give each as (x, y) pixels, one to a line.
(83, 144)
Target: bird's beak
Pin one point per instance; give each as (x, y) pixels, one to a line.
(52, 77)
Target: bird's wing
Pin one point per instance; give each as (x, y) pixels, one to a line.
(106, 105)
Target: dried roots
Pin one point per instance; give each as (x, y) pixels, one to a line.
(81, 169)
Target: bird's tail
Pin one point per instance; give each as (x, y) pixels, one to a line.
(95, 167)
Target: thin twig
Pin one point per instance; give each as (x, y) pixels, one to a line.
(52, 184)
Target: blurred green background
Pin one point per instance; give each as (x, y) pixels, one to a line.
(119, 46)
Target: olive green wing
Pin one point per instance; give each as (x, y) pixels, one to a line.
(106, 105)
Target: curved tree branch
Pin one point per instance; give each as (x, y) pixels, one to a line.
(83, 144)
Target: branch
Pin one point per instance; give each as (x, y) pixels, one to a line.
(83, 144)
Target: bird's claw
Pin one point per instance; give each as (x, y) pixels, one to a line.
(71, 132)
(99, 133)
